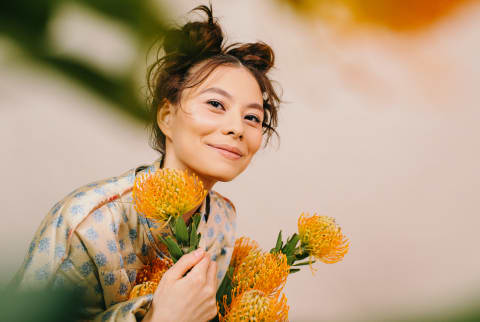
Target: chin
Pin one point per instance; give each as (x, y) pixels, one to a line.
(226, 178)
(223, 174)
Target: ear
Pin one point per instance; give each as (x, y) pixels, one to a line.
(165, 114)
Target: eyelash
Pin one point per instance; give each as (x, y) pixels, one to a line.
(213, 102)
(256, 119)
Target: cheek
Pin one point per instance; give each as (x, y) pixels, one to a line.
(199, 122)
(254, 141)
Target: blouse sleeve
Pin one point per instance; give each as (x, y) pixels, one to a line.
(46, 252)
(96, 258)
(77, 271)
(128, 311)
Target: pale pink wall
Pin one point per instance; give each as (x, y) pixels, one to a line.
(380, 131)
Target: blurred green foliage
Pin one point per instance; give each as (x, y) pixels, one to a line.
(26, 23)
(460, 313)
(39, 306)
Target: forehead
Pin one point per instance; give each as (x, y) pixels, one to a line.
(238, 81)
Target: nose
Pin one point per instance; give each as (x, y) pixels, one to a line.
(234, 125)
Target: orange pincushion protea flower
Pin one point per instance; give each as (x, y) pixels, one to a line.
(149, 276)
(322, 238)
(154, 271)
(167, 193)
(254, 305)
(243, 246)
(255, 269)
(143, 289)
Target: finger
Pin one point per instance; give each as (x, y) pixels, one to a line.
(199, 271)
(212, 274)
(185, 263)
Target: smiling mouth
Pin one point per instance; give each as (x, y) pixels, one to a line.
(226, 153)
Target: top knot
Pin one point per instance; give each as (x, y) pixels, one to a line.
(195, 40)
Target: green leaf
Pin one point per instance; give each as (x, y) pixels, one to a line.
(196, 221)
(291, 244)
(294, 270)
(284, 248)
(173, 248)
(162, 240)
(279, 244)
(223, 286)
(302, 256)
(303, 263)
(199, 235)
(290, 259)
(225, 289)
(181, 232)
(193, 238)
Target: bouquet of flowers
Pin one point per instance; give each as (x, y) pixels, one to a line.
(253, 285)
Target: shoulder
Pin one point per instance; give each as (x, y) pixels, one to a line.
(223, 202)
(68, 214)
(69, 224)
(82, 202)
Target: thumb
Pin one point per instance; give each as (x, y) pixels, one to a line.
(185, 263)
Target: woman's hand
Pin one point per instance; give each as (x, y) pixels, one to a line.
(186, 298)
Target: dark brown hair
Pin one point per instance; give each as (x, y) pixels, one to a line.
(203, 41)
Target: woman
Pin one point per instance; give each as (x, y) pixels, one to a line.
(211, 107)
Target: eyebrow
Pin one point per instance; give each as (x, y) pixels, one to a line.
(228, 95)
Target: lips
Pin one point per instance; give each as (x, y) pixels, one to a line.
(227, 150)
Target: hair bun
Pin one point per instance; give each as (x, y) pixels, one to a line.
(195, 40)
(257, 55)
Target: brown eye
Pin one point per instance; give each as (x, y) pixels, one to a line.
(215, 104)
(253, 118)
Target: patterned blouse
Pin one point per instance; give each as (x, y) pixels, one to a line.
(95, 241)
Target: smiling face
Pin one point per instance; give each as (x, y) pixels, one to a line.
(217, 128)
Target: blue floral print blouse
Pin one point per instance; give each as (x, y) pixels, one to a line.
(95, 241)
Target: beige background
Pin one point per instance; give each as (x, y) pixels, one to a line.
(380, 131)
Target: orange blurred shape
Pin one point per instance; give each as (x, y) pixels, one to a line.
(399, 15)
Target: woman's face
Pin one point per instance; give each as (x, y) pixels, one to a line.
(218, 127)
